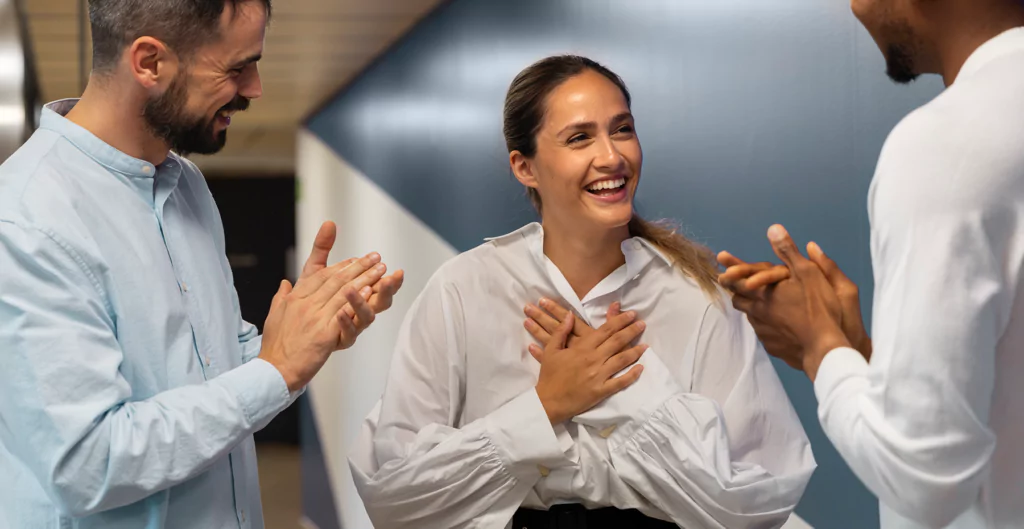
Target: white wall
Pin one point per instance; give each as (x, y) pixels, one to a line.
(368, 220)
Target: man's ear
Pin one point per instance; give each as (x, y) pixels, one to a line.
(151, 62)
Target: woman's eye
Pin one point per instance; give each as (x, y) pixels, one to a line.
(577, 138)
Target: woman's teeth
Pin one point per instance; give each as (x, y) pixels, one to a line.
(606, 185)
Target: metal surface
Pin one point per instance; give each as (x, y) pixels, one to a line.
(16, 117)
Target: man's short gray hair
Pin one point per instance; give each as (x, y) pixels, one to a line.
(184, 25)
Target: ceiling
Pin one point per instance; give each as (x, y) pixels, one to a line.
(313, 48)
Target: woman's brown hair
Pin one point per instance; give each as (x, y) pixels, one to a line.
(524, 115)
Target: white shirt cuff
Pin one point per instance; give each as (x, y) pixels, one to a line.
(526, 441)
(838, 365)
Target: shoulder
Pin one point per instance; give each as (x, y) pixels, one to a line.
(473, 267)
(31, 179)
(486, 268)
(41, 188)
(724, 331)
(956, 153)
(719, 315)
(928, 136)
(714, 315)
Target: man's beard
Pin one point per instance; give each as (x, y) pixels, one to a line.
(166, 118)
(900, 53)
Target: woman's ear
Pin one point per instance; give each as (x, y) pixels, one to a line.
(522, 169)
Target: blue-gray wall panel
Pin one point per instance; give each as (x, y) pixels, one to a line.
(749, 111)
(317, 493)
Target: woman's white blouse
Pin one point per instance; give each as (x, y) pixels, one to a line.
(706, 437)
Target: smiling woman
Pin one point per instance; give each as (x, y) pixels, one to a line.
(568, 78)
(485, 421)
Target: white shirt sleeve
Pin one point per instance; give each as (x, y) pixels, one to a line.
(731, 454)
(415, 467)
(913, 424)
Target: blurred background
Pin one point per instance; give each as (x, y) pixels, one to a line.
(385, 116)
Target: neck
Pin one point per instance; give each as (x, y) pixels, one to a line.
(114, 115)
(966, 32)
(584, 257)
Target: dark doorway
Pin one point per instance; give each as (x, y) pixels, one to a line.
(259, 229)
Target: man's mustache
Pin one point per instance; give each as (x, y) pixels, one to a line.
(238, 104)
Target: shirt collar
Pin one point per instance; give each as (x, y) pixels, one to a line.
(53, 119)
(1006, 42)
(637, 250)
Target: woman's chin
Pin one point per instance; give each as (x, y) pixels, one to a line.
(612, 218)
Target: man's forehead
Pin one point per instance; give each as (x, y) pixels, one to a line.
(242, 30)
(246, 16)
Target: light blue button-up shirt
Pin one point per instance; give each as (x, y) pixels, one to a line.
(129, 383)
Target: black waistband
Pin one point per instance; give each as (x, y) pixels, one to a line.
(575, 516)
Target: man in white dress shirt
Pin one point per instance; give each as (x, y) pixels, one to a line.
(930, 413)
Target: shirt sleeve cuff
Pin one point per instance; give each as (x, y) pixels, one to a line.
(636, 403)
(259, 388)
(251, 349)
(838, 365)
(526, 441)
(294, 395)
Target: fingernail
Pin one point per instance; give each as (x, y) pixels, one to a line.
(641, 325)
(544, 301)
(380, 267)
(374, 257)
(631, 314)
(777, 233)
(366, 291)
(530, 323)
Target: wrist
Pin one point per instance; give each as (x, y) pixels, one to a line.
(291, 380)
(555, 416)
(824, 343)
(293, 383)
(864, 347)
